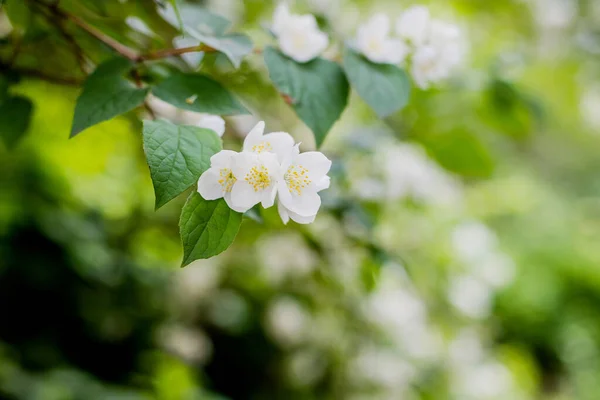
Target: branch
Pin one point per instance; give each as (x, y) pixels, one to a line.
(175, 52)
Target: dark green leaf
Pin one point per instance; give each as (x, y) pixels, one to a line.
(106, 94)
(207, 228)
(198, 93)
(318, 90)
(177, 156)
(15, 114)
(18, 13)
(385, 87)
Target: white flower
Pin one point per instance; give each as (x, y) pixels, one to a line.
(257, 177)
(473, 241)
(413, 25)
(436, 57)
(212, 122)
(287, 321)
(219, 179)
(280, 143)
(281, 17)
(470, 296)
(374, 41)
(409, 172)
(427, 67)
(299, 36)
(185, 117)
(303, 176)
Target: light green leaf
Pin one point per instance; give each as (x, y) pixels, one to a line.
(196, 19)
(15, 115)
(106, 94)
(234, 45)
(317, 90)
(177, 155)
(207, 227)
(198, 93)
(384, 87)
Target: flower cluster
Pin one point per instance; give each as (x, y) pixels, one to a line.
(269, 167)
(299, 36)
(434, 46)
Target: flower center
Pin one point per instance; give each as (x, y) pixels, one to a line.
(375, 45)
(259, 178)
(226, 179)
(300, 41)
(262, 147)
(296, 178)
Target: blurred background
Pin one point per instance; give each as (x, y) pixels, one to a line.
(456, 255)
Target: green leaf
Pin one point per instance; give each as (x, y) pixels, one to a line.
(384, 87)
(317, 90)
(106, 94)
(177, 156)
(15, 115)
(198, 93)
(208, 227)
(18, 13)
(234, 45)
(196, 19)
(177, 13)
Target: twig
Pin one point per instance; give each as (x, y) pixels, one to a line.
(175, 52)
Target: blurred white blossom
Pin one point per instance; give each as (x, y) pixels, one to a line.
(472, 241)
(413, 25)
(374, 41)
(409, 172)
(299, 36)
(470, 296)
(274, 255)
(190, 344)
(287, 321)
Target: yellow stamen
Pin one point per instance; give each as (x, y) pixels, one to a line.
(259, 178)
(227, 179)
(297, 179)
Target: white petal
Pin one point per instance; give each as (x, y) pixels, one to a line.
(254, 136)
(303, 44)
(213, 122)
(227, 198)
(281, 16)
(323, 184)
(222, 159)
(414, 24)
(290, 157)
(302, 220)
(242, 163)
(396, 51)
(316, 163)
(281, 143)
(283, 213)
(306, 204)
(271, 163)
(269, 197)
(379, 25)
(208, 185)
(244, 197)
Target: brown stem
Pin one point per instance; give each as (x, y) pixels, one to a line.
(175, 52)
(107, 40)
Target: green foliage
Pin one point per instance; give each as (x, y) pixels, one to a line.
(385, 87)
(18, 13)
(177, 156)
(234, 45)
(318, 90)
(106, 94)
(207, 228)
(15, 115)
(198, 93)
